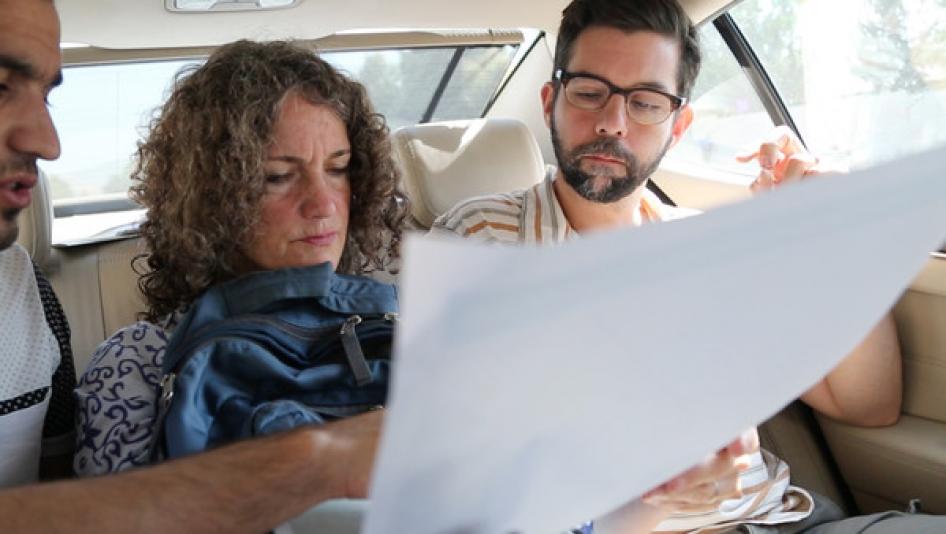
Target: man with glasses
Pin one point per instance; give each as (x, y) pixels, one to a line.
(612, 116)
(617, 101)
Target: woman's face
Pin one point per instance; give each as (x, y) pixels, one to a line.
(304, 211)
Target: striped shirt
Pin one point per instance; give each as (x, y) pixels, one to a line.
(534, 216)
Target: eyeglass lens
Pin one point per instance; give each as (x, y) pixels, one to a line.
(643, 105)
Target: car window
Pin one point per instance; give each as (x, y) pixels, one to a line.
(865, 80)
(473, 82)
(102, 112)
(728, 114)
(400, 83)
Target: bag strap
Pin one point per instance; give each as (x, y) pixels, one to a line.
(342, 294)
(250, 293)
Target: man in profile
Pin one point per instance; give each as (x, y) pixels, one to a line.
(248, 487)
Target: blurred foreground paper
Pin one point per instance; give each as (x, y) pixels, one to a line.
(539, 388)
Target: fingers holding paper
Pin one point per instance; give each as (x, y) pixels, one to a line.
(701, 488)
(707, 484)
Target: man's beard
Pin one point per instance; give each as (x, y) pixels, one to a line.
(587, 185)
(8, 228)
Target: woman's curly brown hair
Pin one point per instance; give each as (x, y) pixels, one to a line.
(200, 171)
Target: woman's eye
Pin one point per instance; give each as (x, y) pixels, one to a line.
(276, 179)
(339, 171)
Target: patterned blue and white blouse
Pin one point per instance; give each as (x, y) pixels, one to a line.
(117, 397)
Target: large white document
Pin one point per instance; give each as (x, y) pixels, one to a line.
(539, 388)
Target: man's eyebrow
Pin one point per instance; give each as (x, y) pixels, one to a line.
(653, 85)
(640, 85)
(18, 66)
(24, 69)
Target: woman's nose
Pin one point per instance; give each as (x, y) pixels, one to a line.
(319, 201)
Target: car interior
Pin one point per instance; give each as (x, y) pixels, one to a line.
(499, 143)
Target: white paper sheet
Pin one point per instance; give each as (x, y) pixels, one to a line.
(539, 388)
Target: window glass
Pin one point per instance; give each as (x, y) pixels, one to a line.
(100, 112)
(865, 80)
(728, 115)
(400, 82)
(473, 82)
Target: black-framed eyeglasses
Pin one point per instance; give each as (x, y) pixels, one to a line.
(644, 105)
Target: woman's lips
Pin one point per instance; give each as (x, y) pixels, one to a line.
(320, 240)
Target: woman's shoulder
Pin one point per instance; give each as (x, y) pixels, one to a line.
(142, 341)
(116, 398)
(131, 358)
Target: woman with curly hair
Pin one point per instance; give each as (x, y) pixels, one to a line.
(263, 158)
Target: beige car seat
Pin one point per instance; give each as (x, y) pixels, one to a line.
(446, 162)
(35, 224)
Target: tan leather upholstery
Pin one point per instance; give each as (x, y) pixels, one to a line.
(446, 162)
(77, 285)
(791, 435)
(121, 300)
(519, 99)
(99, 292)
(893, 464)
(921, 324)
(887, 466)
(35, 224)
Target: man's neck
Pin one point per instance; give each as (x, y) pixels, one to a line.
(586, 216)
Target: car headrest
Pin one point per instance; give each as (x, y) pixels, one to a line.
(444, 163)
(36, 222)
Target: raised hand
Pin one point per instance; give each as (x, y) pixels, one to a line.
(782, 159)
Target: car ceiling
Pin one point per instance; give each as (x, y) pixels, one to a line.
(128, 24)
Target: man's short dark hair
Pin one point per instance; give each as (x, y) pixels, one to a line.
(664, 17)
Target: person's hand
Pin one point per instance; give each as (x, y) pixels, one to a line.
(348, 452)
(707, 484)
(782, 159)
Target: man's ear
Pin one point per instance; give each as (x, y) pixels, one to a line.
(547, 94)
(681, 124)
